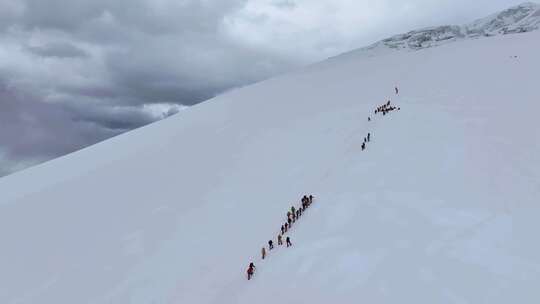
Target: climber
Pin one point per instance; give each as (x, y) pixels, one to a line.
(250, 270)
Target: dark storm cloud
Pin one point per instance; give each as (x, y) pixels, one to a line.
(76, 72)
(60, 50)
(32, 130)
(117, 119)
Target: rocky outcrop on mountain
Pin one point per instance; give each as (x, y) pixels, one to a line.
(519, 19)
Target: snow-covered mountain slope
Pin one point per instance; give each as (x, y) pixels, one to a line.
(519, 19)
(442, 207)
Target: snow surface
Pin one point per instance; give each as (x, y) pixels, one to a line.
(442, 207)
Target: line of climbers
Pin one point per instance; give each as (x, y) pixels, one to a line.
(366, 140)
(384, 109)
(292, 216)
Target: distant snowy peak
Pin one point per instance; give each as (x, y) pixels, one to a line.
(519, 19)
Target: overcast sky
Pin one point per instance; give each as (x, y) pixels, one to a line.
(75, 72)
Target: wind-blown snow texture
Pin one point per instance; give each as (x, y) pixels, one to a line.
(442, 207)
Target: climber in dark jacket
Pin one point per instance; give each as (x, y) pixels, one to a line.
(250, 270)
